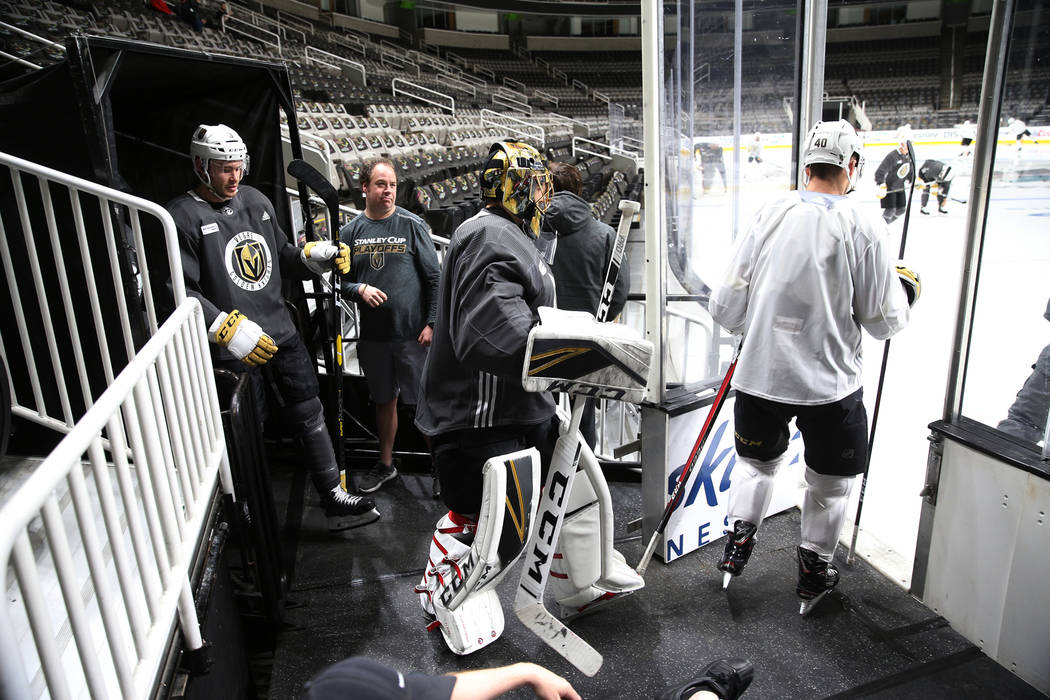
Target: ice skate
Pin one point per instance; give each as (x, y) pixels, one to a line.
(346, 511)
(816, 578)
(925, 211)
(726, 678)
(942, 210)
(738, 550)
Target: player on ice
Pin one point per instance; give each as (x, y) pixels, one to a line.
(936, 177)
(810, 273)
(967, 134)
(893, 175)
(1019, 130)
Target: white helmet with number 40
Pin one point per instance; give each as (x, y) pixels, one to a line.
(835, 143)
(218, 142)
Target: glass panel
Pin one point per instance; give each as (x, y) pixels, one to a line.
(1008, 374)
(727, 124)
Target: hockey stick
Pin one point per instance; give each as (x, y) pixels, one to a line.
(528, 601)
(852, 556)
(308, 175)
(694, 456)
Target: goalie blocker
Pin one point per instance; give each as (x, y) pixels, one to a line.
(469, 557)
(570, 351)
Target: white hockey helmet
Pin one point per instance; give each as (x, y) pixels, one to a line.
(835, 143)
(218, 142)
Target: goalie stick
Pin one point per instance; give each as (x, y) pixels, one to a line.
(308, 175)
(539, 551)
(852, 556)
(694, 456)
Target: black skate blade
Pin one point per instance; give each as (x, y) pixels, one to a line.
(806, 606)
(340, 523)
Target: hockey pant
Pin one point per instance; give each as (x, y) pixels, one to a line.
(823, 507)
(307, 422)
(576, 571)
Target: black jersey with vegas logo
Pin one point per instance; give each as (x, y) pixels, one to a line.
(234, 256)
(895, 170)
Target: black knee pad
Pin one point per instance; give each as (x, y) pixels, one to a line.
(304, 416)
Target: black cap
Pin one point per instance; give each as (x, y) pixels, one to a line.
(361, 678)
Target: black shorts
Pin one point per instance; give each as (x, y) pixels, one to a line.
(895, 200)
(460, 455)
(835, 434)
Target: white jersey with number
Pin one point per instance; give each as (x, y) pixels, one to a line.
(806, 277)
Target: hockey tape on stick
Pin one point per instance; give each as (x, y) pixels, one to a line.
(628, 209)
(310, 176)
(694, 456)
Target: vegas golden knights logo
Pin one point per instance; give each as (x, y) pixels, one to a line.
(377, 260)
(248, 261)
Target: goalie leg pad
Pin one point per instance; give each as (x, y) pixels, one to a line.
(576, 570)
(468, 557)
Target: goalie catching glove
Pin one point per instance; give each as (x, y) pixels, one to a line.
(317, 253)
(911, 283)
(244, 338)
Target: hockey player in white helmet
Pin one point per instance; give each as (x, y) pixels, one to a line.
(234, 259)
(489, 435)
(809, 275)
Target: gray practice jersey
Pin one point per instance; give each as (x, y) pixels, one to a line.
(234, 256)
(492, 285)
(396, 255)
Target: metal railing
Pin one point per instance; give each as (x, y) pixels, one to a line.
(253, 32)
(580, 145)
(122, 558)
(90, 206)
(399, 86)
(510, 103)
(519, 127)
(336, 61)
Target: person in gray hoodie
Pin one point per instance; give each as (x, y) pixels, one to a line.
(583, 247)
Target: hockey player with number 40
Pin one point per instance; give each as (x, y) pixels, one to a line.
(809, 275)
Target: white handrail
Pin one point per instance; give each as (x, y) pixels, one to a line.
(519, 127)
(332, 60)
(413, 90)
(150, 530)
(510, 103)
(109, 211)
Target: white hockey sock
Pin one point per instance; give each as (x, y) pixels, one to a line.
(752, 489)
(824, 511)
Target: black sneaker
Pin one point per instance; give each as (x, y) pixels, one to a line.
(815, 576)
(378, 475)
(738, 547)
(726, 678)
(345, 510)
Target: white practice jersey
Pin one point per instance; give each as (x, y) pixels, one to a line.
(808, 274)
(967, 131)
(1018, 128)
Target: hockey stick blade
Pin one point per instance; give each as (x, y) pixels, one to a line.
(556, 635)
(303, 171)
